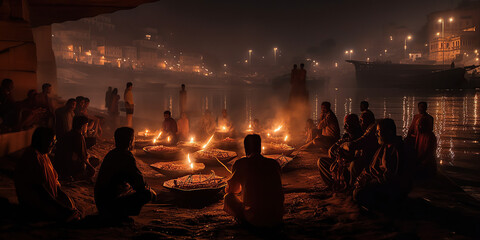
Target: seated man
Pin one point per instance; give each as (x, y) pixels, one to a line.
(120, 190)
(258, 181)
(170, 126)
(36, 181)
(384, 182)
(328, 129)
(334, 168)
(64, 118)
(71, 157)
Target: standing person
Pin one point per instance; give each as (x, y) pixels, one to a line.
(108, 97)
(258, 181)
(422, 112)
(183, 127)
(64, 117)
(128, 98)
(183, 99)
(366, 117)
(170, 126)
(121, 190)
(113, 109)
(36, 182)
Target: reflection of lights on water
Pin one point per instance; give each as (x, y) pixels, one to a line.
(384, 108)
(475, 106)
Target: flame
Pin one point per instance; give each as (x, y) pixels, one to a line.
(224, 128)
(204, 146)
(192, 140)
(168, 139)
(158, 136)
(286, 137)
(268, 134)
(188, 158)
(191, 166)
(146, 132)
(250, 125)
(278, 128)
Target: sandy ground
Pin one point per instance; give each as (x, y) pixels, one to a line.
(434, 210)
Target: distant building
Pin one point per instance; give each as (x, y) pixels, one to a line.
(454, 35)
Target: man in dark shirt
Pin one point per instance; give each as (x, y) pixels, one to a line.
(258, 181)
(170, 126)
(71, 157)
(120, 190)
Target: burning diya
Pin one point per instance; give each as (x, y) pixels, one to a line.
(161, 151)
(196, 182)
(178, 168)
(146, 134)
(277, 148)
(190, 146)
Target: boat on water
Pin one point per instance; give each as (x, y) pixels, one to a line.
(396, 75)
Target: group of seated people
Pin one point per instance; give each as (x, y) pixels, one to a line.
(35, 109)
(371, 161)
(120, 189)
(39, 109)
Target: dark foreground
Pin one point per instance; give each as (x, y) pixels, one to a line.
(435, 210)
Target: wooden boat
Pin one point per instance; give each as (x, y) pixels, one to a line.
(395, 75)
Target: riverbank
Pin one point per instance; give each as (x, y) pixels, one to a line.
(437, 210)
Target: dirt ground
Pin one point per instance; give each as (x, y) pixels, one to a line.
(435, 210)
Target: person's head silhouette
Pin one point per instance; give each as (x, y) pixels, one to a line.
(252, 144)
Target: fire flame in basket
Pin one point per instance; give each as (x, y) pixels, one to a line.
(192, 140)
(204, 146)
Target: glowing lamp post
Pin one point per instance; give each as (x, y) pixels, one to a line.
(409, 37)
(275, 56)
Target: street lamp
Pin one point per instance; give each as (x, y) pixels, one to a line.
(405, 45)
(275, 55)
(441, 21)
(250, 56)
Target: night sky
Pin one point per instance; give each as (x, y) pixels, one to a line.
(227, 29)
